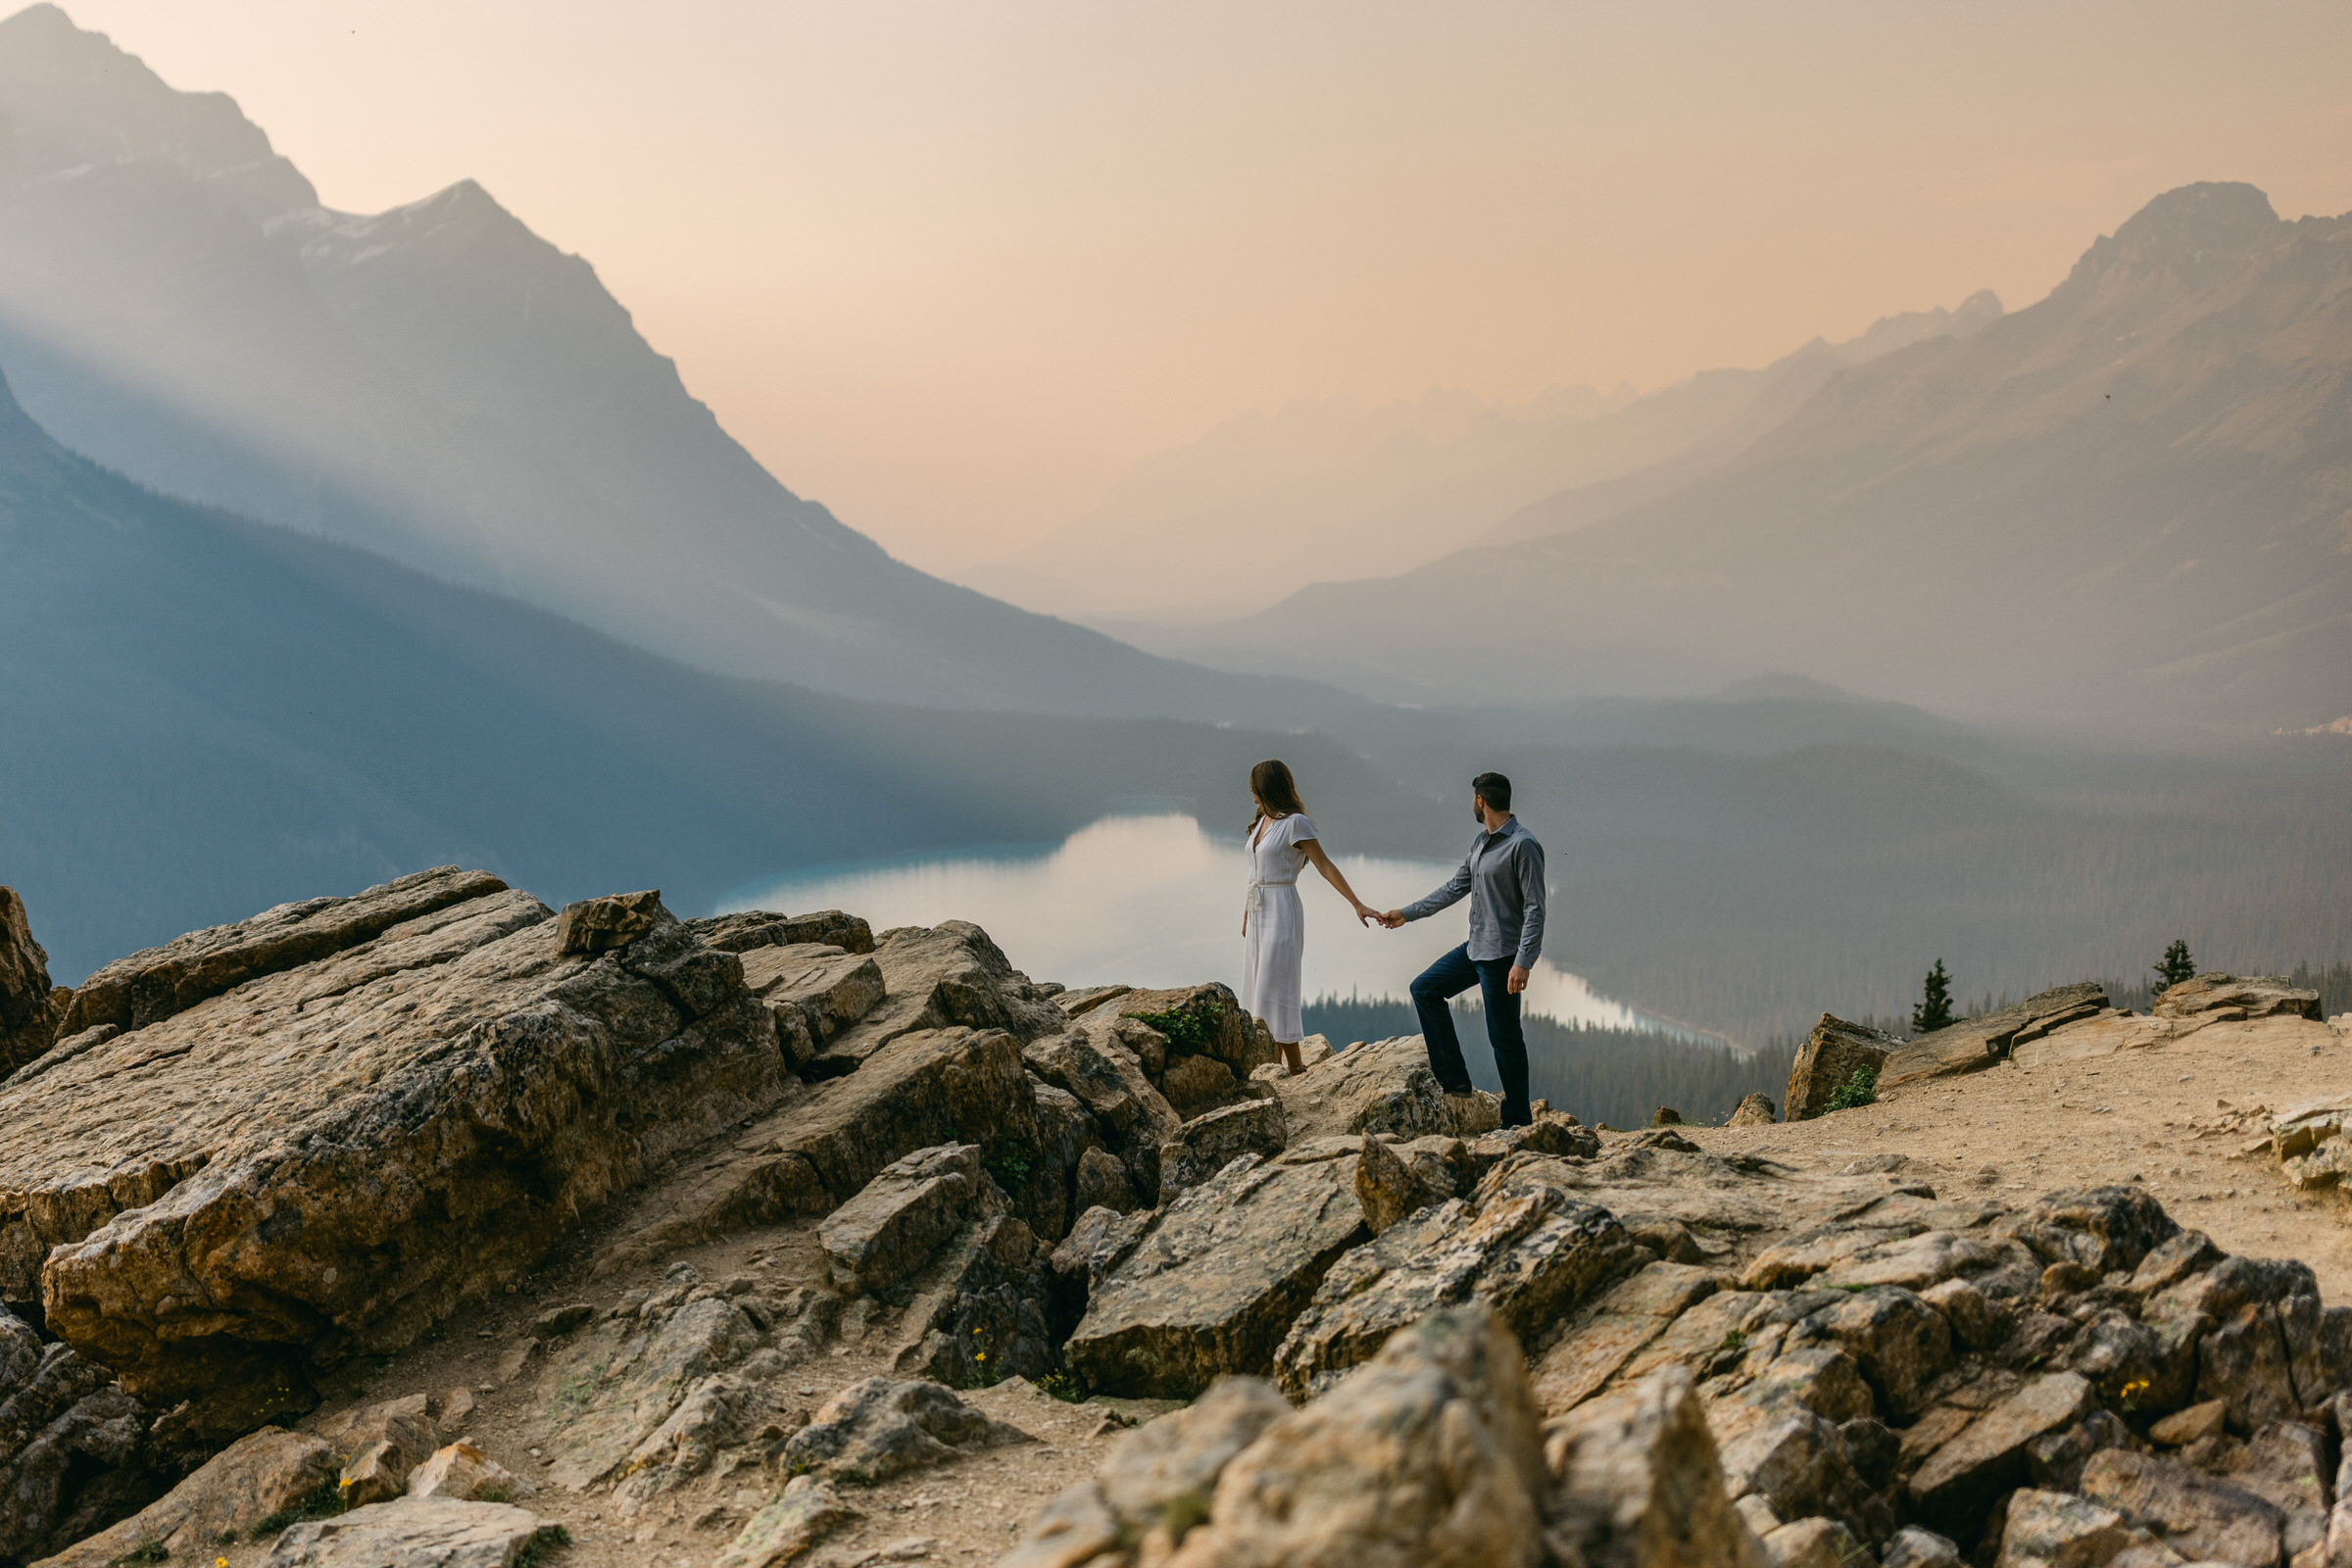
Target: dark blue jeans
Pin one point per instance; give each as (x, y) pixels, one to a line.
(1437, 987)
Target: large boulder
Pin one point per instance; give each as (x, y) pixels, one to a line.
(981, 1313)
(155, 983)
(1098, 1068)
(937, 978)
(1154, 1483)
(1637, 1482)
(1975, 1044)
(890, 1228)
(748, 930)
(30, 1008)
(1208, 1144)
(409, 1533)
(816, 990)
(1429, 1455)
(928, 1088)
(2226, 997)
(1215, 1281)
(1522, 1242)
(876, 1429)
(1830, 1056)
(1384, 1086)
(327, 1160)
(1203, 1021)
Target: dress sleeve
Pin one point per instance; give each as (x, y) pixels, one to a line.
(1302, 828)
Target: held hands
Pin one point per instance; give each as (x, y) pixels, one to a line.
(1365, 914)
(1393, 919)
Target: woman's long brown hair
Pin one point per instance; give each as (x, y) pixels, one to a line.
(1277, 793)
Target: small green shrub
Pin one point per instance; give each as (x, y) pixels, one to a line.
(149, 1550)
(1188, 1028)
(1064, 1385)
(543, 1543)
(1862, 1089)
(1009, 1166)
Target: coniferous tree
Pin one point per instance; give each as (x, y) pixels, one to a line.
(2176, 966)
(1935, 1013)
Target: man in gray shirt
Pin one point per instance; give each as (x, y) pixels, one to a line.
(1502, 876)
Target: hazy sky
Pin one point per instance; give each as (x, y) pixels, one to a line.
(949, 267)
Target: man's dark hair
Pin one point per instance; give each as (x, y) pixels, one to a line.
(1494, 789)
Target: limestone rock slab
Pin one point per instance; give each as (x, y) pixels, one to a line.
(744, 930)
(155, 983)
(326, 1159)
(803, 1514)
(877, 1428)
(1636, 1482)
(1154, 1483)
(409, 1533)
(1208, 1144)
(1215, 1281)
(2217, 997)
(832, 987)
(1975, 1044)
(897, 1221)
(1430, 1453)
(936, 978)
(1523, 1242)
(931, 1087)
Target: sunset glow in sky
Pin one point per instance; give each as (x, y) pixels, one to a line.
(949, 267)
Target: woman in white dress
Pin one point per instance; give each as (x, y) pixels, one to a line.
(1282, 841)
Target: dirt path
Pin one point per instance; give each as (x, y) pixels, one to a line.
(2172, 1115)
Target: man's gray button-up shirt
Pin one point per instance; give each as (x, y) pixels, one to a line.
(1503, 877)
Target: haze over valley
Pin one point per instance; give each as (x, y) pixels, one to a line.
(344, 543)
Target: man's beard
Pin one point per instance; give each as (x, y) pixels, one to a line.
(1479, 816)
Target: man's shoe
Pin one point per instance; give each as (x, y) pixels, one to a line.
(1517, 1115)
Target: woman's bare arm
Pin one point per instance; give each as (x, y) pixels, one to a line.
(1313, 850)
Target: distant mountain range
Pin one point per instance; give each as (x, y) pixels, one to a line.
(440, 385)
(206, 716)
(2130, 501)
(1262, 506)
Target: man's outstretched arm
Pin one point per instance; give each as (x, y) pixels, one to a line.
(1456, 889)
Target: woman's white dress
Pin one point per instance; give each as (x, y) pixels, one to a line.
(1274, 927)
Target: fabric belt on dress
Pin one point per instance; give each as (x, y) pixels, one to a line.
(1254, 901)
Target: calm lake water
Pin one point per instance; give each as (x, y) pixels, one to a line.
(1154, 901)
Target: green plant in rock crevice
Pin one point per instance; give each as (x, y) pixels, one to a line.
(1859, 1090)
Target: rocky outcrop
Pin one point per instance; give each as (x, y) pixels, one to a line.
(803, 1514)
(1208, 1143)
(931, 1087)
(1522, 1243)
(1430, 1454)
(1198, 1020)
(1756, 1111)
(747, 930)
(2226, 999)
(1975, 1044)
(876, 1429)
(329, 1157)
(1381, 1087)
(1829, 1059)
(31, 1010)
(1217, 1276)
(891, 1229)
(156, 983)
(409, 1533)
(1634, 1482)
(937, 978)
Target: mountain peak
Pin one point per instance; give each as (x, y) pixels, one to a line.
(73, 96)
(2194, 234)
